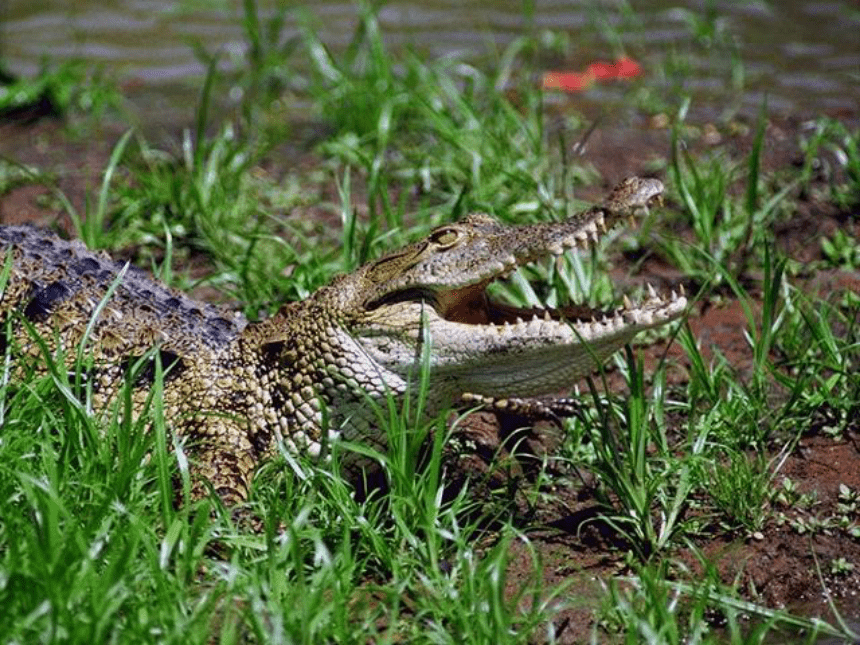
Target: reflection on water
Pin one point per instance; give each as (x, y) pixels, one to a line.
(804, 54)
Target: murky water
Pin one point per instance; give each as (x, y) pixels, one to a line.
(804, 54)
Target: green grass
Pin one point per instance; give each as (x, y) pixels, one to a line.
(832, 151)
(70, 88)
(643, 494)
(93, 547)
(650, 608)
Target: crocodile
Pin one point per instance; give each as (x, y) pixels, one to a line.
(236, 392)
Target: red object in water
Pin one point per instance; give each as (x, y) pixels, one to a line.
(597, 71)
(627, 67)
(602, 71)
(567, 81)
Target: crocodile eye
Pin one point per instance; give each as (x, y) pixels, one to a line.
(445, 237)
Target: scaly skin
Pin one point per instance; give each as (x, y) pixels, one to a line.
(234, 390)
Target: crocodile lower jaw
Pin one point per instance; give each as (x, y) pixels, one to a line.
(492, 349)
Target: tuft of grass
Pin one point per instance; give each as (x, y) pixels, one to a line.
(645, 486)
(841, 250)
(71, 88)
(266, 73)
(741, 411)
(92, 227)
(740, 488)
(821, 353)
(729, 233)
(14, 175)
(832, 151)
(649, 607)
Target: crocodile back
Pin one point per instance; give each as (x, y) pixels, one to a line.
(58, 285)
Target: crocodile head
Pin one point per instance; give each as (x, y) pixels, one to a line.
(435, 291)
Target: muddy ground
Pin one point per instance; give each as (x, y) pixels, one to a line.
(776, 568)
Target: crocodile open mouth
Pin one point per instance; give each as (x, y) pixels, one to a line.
(472, 305)
(455, 280)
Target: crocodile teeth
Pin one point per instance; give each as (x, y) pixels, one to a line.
(627, 304)
(652, 294)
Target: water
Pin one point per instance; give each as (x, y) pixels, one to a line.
(803, 54)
